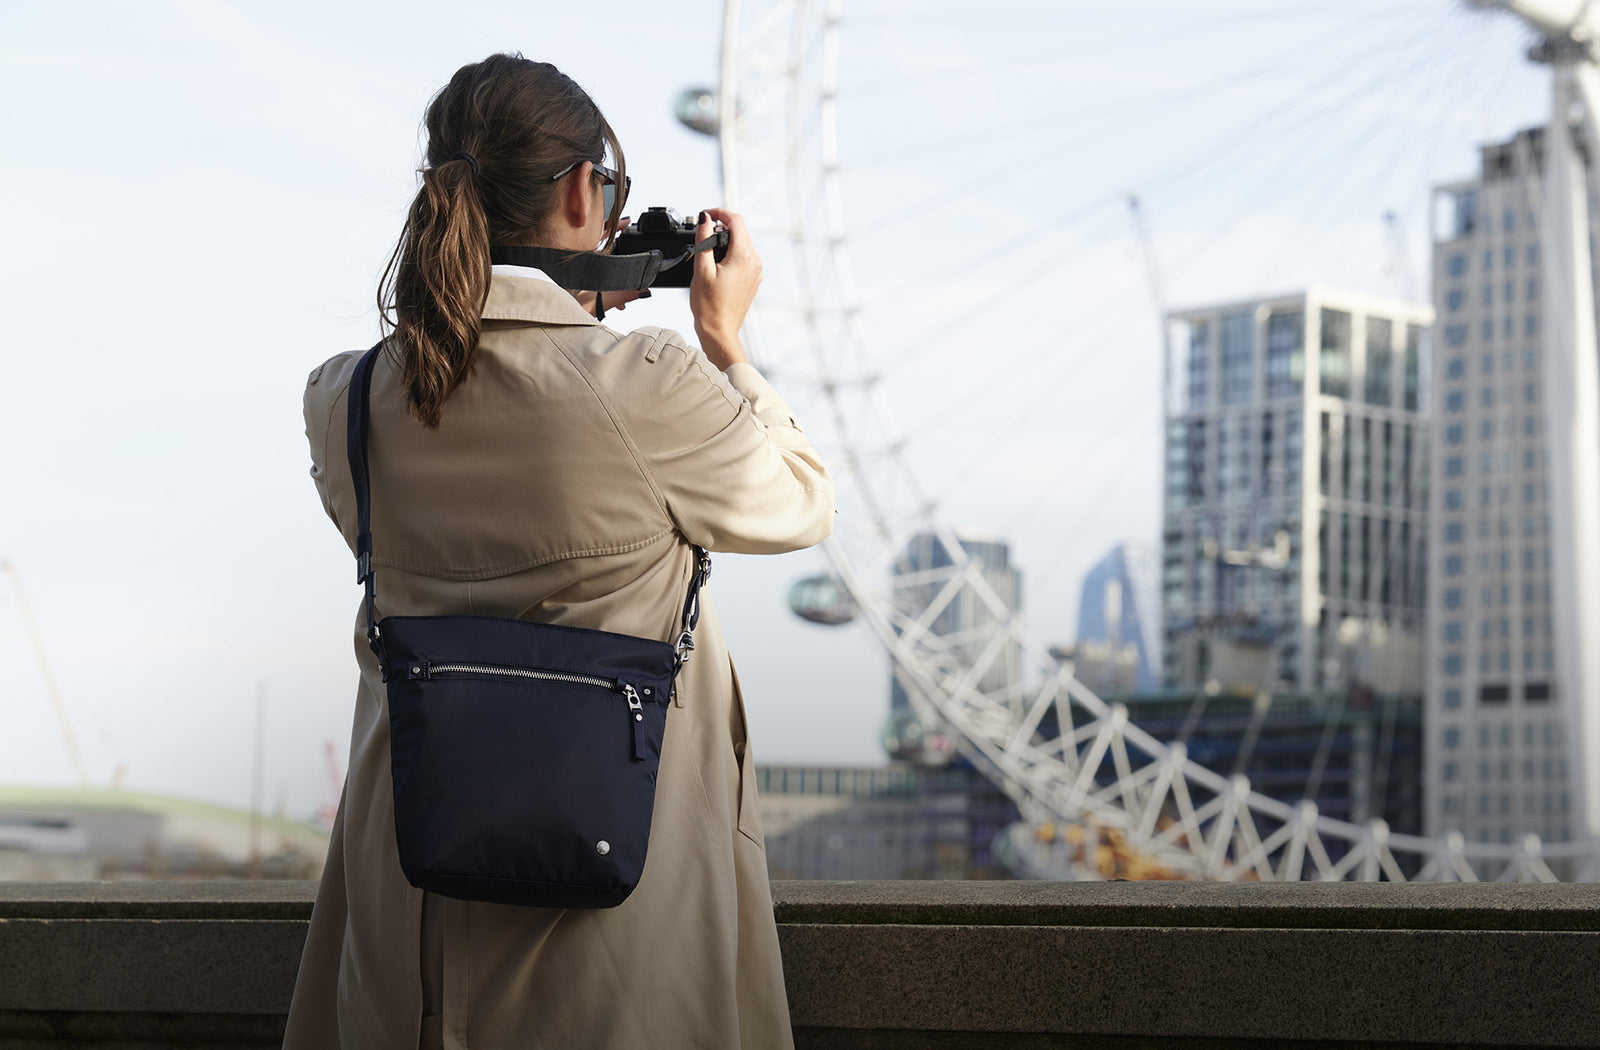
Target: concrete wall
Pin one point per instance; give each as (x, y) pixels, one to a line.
(880, 965)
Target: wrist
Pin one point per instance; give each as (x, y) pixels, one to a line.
(722, 348)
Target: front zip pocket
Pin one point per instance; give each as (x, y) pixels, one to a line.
(426, 671)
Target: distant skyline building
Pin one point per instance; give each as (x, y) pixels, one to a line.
(1119, 610)
(1295, 496)
(900, 821)
(1505, 724)
(963, 630)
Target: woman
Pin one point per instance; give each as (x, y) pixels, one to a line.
(528, 462)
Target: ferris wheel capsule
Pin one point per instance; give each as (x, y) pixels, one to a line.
(822, 599)
(696, 109)
(906, 739)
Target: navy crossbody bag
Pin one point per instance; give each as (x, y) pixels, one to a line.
(524, 754)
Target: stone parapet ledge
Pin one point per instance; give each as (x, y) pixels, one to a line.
(880, 965)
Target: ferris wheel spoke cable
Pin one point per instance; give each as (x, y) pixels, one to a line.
(1124, 111)
(1043, 386)
(1293, 111)
(1426, 160)
(947, 326)
(1278, 175)
(1328, 173)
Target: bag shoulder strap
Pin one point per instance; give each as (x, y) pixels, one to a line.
(356, 427)
(355, 439)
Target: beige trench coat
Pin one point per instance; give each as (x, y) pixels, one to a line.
(571, 472)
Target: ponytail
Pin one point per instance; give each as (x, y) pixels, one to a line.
(436, 283)
(496, 134)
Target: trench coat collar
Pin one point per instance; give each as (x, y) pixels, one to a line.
(530, 296)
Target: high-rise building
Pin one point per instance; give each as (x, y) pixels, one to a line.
(1295, 497)
(1117, 618)
(1504, 751)
(961, 629)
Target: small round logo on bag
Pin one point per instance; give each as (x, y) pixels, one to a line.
(602, 847)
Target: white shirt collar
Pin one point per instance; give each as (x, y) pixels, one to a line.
(530, 272)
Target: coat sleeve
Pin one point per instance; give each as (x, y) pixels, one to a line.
(733, 468)
(323, 407)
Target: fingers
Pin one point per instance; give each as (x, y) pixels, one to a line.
(705, 266)
(739, 242)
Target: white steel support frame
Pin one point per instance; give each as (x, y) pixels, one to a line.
(1572, 417)
(1569, 35)
(778, 105)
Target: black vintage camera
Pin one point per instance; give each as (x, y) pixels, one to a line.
(664, 230)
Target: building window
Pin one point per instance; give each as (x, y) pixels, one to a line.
(1199, 364)
(1454, 299)
(1413, 367)
(1453, 401)
(1452, 631)
(1452, 532)
(1380, 361)
(1334, 362)
(1452, 598)
(1285, 353)
(1238, 358)
(1452, 698)
(1453, 434)
(1455, 335)
(1456, 264)
(1452, 664)
(1452, 565)
(1455, 368)
(1453, 467)
(1530, 393)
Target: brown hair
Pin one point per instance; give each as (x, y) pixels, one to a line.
(522, 122)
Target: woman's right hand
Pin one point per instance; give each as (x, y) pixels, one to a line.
(720, 293)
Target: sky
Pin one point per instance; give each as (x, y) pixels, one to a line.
(198, 197)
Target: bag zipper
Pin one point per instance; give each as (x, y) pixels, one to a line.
(426, 671)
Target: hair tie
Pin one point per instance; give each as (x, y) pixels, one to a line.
(469, 158)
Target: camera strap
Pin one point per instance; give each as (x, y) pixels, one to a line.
(595, 271)
(586, 271)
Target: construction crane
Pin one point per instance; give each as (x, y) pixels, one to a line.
(51, 686)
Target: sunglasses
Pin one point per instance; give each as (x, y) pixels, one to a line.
(608, 184)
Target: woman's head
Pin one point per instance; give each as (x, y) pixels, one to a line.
(498, 133)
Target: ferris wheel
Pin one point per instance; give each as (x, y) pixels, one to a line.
(975, 678)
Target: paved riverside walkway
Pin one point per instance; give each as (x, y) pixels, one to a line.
(903, 965)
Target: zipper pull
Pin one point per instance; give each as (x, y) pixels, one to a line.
(635, 716)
